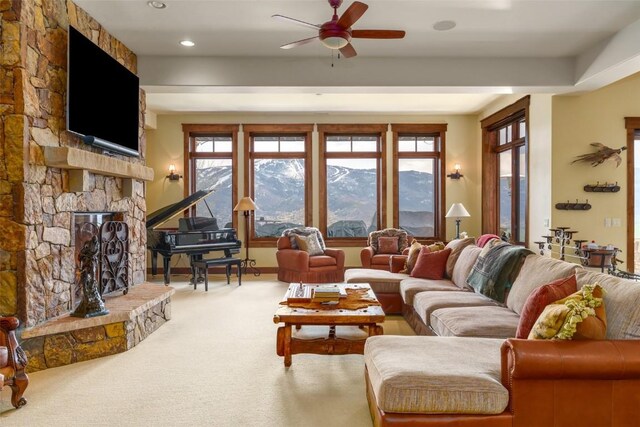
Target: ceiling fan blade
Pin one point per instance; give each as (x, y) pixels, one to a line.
(348, 51)
(298, 43)
(352, 14)
(295, 21)
(377, 34)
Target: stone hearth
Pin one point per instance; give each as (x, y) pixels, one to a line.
(68, 339)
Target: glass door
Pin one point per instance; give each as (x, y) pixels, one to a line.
(635, 267)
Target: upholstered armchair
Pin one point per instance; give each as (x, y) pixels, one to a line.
(313, 265)
(382, 245)
(12, 362)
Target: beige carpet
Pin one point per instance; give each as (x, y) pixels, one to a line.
(213, 364)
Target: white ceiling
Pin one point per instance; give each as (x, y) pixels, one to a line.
(577, 40)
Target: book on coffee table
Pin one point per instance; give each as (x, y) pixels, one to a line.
(299, 292)
(328, 293)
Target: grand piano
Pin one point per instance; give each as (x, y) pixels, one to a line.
(195, 236)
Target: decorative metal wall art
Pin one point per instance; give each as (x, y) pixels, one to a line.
(114, 257)
(577, 206)
(602, 188)
(604, 153)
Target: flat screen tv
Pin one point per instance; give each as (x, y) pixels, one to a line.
(102, 98)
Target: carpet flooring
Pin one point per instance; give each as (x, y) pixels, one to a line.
(212, 364)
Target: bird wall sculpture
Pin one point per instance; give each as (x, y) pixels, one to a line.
(603, 153)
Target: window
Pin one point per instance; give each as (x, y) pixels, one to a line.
(633, 194)
(505, 176)
(210, 164)
(418, 204)
(278, 178)
(352, 181)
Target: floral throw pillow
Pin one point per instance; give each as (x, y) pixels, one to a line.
(581, 315)
(309, 244)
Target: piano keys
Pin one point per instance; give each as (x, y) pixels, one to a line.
(196, 236)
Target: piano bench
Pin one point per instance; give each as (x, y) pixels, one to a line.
(204, 264)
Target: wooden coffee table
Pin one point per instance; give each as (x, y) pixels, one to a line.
(366, 318)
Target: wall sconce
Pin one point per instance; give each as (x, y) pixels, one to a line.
(173, 176)
(456, 174)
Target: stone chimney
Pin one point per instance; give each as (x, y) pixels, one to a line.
(37, 200)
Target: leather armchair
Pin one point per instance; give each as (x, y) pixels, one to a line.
(295, 265)
(369, 256)
(560, 382)
(13, 361)
(551, 383)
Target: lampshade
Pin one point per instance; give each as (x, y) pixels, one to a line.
(335, 42)
(245, 204)
(457, 210)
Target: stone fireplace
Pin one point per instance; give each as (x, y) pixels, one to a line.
(47, 178)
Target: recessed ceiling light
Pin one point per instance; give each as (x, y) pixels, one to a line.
(444, 25)
(187, 43)
(157, 4)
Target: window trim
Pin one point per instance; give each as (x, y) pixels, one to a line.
(632, 124)
(190, 131)
(325, 130)
(249, 130)
(490, 149)
(398, 129)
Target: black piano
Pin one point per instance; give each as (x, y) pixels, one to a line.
(195, 236)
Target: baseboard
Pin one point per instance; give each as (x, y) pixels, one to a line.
(212, 270)
(220, 270)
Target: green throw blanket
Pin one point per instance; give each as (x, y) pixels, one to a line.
(496, 269)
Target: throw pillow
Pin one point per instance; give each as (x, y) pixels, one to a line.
(581, 315)
(309, 244)
(403, 242)
(291, 233)
(431, 265)
(388, 245)
(542, 297)
(456, 247)
(414, 250)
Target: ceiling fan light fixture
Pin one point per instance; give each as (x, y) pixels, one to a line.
(335, 42)
(157, 4)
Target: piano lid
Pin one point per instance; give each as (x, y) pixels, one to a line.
(162, 215)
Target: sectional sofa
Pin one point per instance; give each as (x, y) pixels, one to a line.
(466, 369)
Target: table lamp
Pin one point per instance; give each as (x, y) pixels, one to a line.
(457, 211)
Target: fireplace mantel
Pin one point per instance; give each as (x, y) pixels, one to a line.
(79, 162)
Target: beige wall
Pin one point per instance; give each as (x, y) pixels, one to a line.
(578, 121)
(165, 146)
(560, 128)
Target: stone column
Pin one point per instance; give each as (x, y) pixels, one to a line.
(37, 265)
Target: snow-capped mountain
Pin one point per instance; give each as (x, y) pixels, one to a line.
(279, 194)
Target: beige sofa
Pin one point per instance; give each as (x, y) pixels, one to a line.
(449, 307)
(465, 373)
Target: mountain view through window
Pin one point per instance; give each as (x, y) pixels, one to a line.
(279, 195)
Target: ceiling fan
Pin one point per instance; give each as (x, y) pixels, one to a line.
(337, 33)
